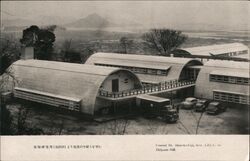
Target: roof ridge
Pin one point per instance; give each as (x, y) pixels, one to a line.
(109, 70)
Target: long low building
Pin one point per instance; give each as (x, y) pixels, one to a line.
(68, 85)
(224, 50)
(150, 69)
(226, 81)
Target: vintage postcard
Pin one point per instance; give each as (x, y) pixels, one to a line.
(124, 80)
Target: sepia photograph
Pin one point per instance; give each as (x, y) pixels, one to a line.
(124, 68)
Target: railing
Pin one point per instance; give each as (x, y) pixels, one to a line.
(147, 89)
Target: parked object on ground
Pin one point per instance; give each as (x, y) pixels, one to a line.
(170, 115)
(201, 105)
(154, 106)
(215, 108)
(189, 103)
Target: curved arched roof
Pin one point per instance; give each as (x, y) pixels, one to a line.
(228, 64)
(173, 64)
(78, 81)
(215, 49)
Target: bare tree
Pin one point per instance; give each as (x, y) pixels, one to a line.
(57, 128)
(21, 120)
(6, 120)
(198, 123)
(67, 45)
(9, 52)
(69, 54)
(125, 44)
(157, 127)
(183, 127)
(163, 40)
(115, 127)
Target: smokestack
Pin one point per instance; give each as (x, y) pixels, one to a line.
(27, 52)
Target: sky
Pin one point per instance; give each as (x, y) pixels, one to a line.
(148, 13)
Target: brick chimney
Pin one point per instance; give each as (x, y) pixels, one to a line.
(27, 52)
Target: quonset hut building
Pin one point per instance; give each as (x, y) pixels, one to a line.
(226, 50)
(150, 69)
(226, 81)
(67, 85)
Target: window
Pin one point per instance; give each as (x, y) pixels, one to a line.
(225, 79)
(154, 71)
(212, 78)
(231, 97)
(138, 69)
(159, 72)
(164, 72)
(229, 79)
(126, 80)
(243, 52)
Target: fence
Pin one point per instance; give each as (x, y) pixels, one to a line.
(162, 86)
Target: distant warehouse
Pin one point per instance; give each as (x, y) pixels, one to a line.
(226, 81)
(67, 85)
(222, 50)
(150, 69)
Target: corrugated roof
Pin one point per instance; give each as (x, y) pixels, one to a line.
(228, 64)
(216, 49)
(69, 67)
(132, 64)
(242, 74)
(141, 58)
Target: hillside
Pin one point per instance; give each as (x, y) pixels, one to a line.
(91, 21)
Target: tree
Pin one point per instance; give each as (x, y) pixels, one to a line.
(69, 54)
(125, 44)
(164, 41)
(115, 127)
(22, 126)
(44, 44)
(41, 39)
(9, 52)
(6, 120)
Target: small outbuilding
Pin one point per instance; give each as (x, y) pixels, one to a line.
(224, 81)
(150, 69)
(68, 85)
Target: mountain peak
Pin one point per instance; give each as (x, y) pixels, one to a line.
(91, 21)
(94, 15)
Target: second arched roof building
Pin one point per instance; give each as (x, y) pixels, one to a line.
(150, 69)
